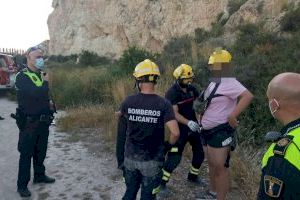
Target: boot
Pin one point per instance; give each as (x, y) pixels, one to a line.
(43, 179)
(206, 195)
(195, 179)
(163, 191)
(24, 192)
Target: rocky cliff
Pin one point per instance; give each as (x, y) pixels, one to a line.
(110, 26)
(107, 27)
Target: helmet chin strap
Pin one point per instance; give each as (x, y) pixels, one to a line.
(136, 85)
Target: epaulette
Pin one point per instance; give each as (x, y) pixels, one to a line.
(282, 145)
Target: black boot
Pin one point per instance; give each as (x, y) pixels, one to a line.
(24, 192)
(163, 190)
(43, 179)
(2, 118)
(195, 179)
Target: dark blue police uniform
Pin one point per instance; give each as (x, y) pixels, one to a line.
(33, 119)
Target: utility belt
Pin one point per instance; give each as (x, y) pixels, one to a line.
(40, 118)
(22, 118)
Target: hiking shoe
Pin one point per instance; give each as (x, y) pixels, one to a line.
(196, 180)
(43, 179)
(24, 192)
(207, 195)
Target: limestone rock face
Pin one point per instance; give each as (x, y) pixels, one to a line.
(108, 27)
(269, 12)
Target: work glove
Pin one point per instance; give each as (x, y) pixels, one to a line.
(194, 126)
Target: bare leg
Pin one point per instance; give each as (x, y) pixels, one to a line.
(220, 174)
(212, 184)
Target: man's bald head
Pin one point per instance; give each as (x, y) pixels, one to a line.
(285, 87)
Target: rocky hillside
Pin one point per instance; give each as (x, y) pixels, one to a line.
(108, 27)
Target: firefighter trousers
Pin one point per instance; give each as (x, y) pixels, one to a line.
(174, 157)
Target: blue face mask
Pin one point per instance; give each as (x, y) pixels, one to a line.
(39, 64)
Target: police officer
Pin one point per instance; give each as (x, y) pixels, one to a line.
(33, 119)
(280, 177)
(182, 95)
(142, 153)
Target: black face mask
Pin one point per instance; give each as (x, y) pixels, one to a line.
(183, 85)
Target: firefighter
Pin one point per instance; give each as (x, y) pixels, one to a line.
(33, 118)
(182, 95)
(225, 99)
(280, 177)
(140, 148)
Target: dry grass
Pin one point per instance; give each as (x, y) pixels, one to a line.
(245, 170)
(120, 89)
(90, 116)
(244, 166)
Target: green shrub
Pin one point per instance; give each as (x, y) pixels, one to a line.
(201, 35)
(234, 5)
(80, 86)
(88, 58)
(62, 59)
(291, 21)
(260, 7)
(131, 57)
(258, 57)
(216, 29)
(177, 51)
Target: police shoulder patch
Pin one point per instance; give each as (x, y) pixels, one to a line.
(273, 186)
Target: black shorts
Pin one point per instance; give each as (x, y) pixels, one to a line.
(218, 137)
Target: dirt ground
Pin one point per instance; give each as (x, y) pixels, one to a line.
(83, 164)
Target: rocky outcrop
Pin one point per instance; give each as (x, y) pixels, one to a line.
(107, 27)
(268, 12)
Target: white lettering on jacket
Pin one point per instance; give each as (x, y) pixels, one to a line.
(141, 115)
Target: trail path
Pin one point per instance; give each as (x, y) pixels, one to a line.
(83, 164)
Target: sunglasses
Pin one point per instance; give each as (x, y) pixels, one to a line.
(31, 49)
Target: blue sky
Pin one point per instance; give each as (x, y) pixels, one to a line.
(23, 22)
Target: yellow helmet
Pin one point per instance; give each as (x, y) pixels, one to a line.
(184, 71)
(220, 56)
(147, 67)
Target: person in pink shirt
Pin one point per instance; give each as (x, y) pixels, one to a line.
(228, 98)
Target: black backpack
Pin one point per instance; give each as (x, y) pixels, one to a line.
(202, 104)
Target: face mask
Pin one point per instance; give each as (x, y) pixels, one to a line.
(185, 83)
(39, 64)
(271, 109)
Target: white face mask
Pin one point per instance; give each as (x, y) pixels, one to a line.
(271, 109)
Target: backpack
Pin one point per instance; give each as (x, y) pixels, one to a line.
(201, 105)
